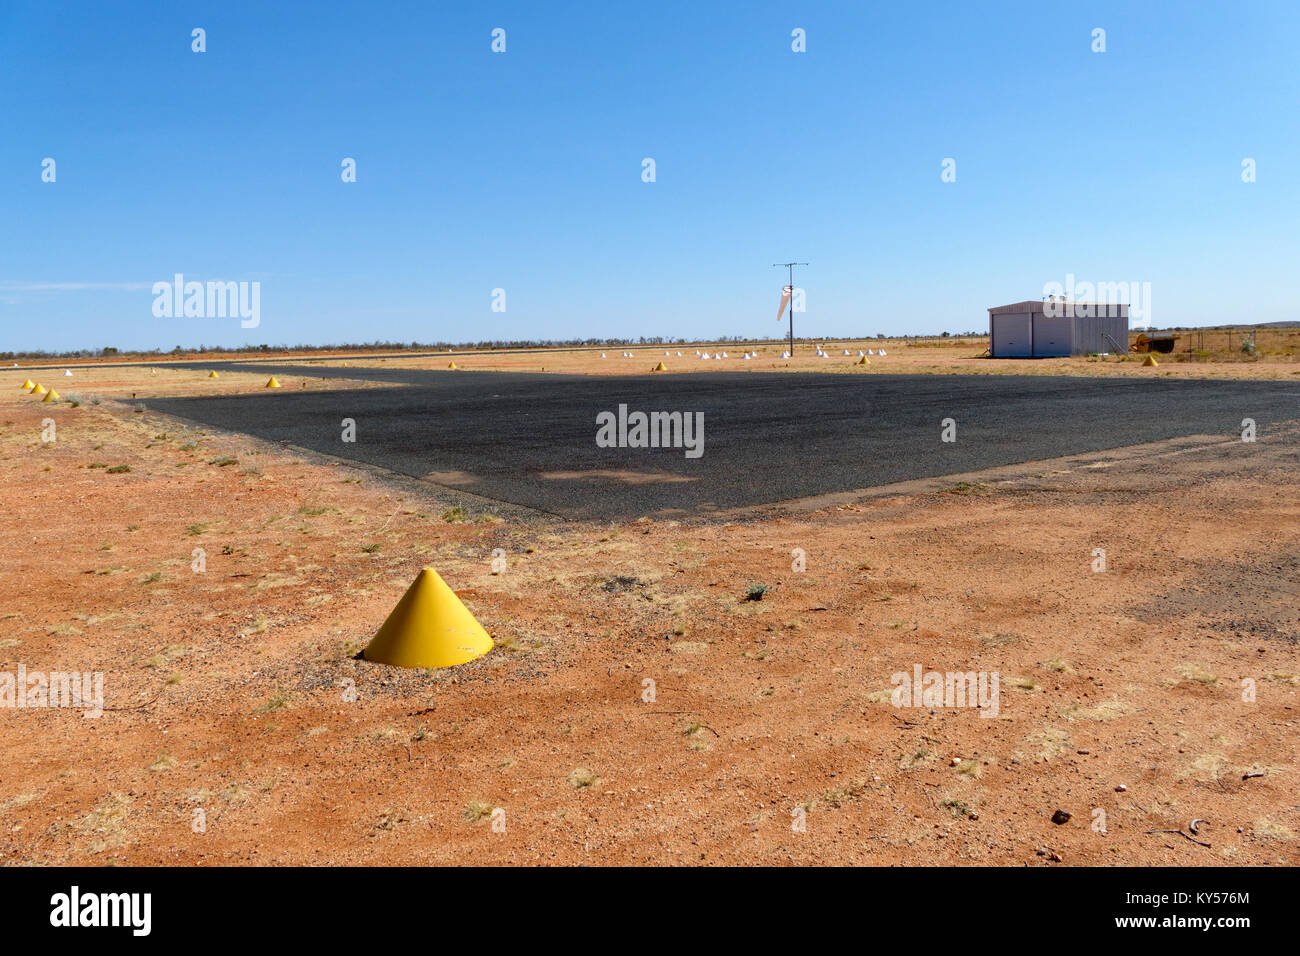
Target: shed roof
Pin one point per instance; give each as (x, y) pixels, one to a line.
(1037, 305)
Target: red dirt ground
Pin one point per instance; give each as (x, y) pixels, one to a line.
(1121, 691)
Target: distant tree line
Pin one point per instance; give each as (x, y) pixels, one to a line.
(482, 345)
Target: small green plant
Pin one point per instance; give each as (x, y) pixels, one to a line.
(476, 810)
(956, 808)
(195, 530)
(119, 469)
(453, 515)
(370, 548)
(756, 592)
(224, 461)
(277, 701)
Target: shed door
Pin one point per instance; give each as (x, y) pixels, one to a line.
(1010, 336)
(1052, 335)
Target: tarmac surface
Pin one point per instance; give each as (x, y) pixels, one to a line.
(530, 439)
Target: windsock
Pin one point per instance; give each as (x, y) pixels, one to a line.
(785, 300)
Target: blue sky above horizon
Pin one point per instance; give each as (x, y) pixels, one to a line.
(522, 170)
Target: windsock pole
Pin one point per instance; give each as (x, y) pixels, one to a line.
(790, 266)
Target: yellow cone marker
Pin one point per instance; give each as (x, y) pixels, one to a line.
(661, 367)
(1150, 361)
(51, 396)
(862, 361)
(430, 627)
(272, 383)
(28, 385)
(213, 374)
(39, 389)
(452, 365)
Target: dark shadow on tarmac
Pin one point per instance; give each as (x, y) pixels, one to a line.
(530, 439)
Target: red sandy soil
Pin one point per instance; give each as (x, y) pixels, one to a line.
(1121, 691)
(1277, 357)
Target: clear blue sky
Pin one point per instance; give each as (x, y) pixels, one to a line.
(522, 170)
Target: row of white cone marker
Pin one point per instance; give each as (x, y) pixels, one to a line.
(718, 356)
(823, 354)
(602, 355)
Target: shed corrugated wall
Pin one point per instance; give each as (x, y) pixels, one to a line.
(1091, 331)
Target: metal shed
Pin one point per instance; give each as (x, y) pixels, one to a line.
(1039, 328)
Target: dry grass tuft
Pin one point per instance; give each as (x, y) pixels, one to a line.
(1194, 672)
(582, 778)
